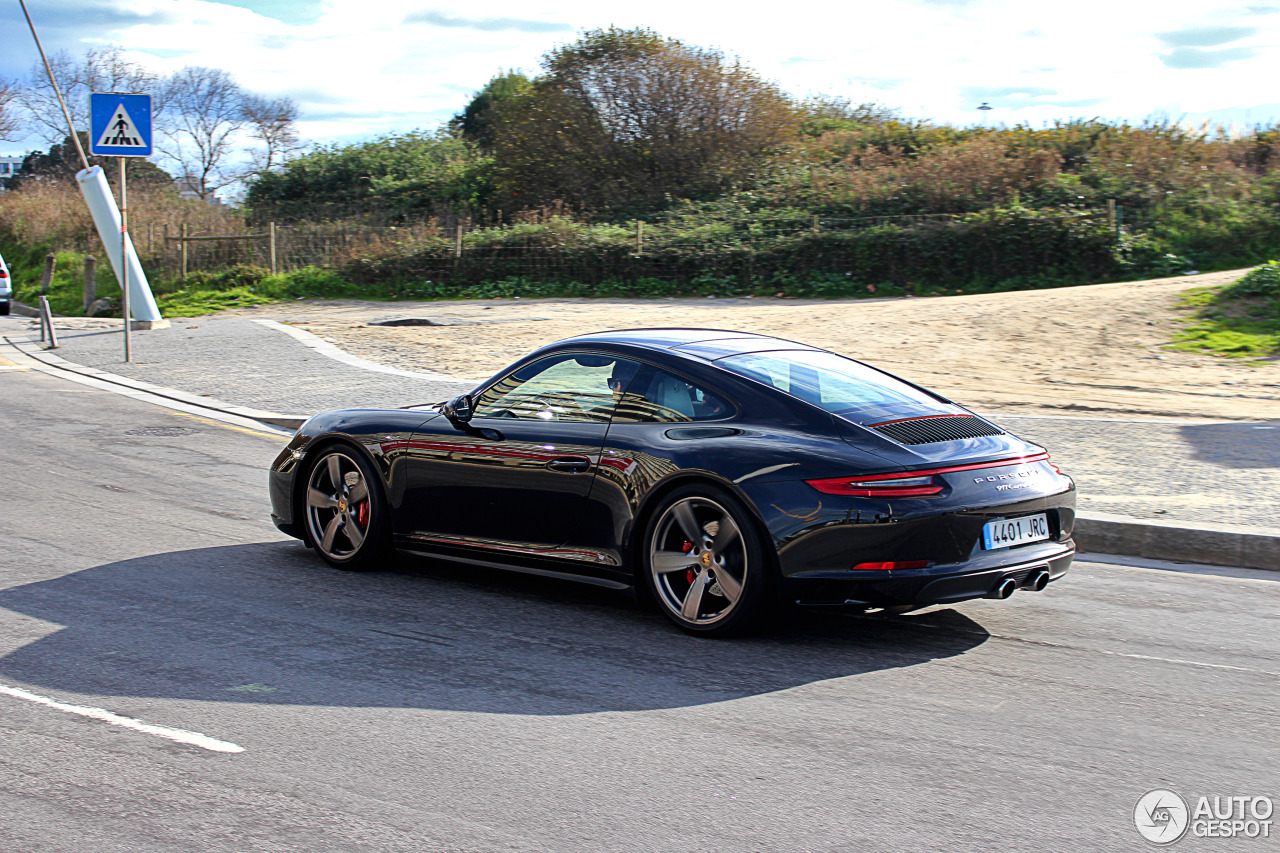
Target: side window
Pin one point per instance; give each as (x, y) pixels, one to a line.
(660, 397)
(572, 387)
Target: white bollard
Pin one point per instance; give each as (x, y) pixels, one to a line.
(106, 216)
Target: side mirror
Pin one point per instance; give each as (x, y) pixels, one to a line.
(459, 409)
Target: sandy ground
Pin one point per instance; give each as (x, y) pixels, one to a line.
(1094, 349)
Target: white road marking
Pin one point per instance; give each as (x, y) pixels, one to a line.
(178, 735)
(1181, 662)
(325, 348)
(1193, 663)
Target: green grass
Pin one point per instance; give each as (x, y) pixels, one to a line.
(66, 291)
(1241, 320)
(194, 303)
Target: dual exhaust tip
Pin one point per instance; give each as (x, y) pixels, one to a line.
(1036, 582)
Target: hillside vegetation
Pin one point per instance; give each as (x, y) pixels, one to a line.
(634, 164)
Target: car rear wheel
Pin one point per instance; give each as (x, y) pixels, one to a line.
(704, 562)
(4, 308)
(345, 513)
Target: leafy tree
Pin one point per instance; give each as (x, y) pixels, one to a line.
(411, 176)
(622, 121)
(61, 162)
(476, 123)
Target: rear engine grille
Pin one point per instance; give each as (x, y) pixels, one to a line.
(931, 430)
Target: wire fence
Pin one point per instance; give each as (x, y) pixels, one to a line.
(555, 248)
(871, 250)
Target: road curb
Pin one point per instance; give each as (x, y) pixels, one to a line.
(36, 352)
(1209, 544)
(16, 307)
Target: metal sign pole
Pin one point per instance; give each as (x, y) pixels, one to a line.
(124, 258)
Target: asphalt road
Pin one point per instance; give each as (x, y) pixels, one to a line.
(430, 707)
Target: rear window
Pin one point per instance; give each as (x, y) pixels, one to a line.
(840, 385)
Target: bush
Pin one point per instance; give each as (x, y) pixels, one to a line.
(1264, 281)
(66, 291)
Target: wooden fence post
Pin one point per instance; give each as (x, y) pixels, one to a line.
(1112, 223)
(816, 225)
(457, 241)
(184, 251)
(90, 281)
(639, 236)
(271, 240)
(50, 261)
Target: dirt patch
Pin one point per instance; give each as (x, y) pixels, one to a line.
(1095, 349)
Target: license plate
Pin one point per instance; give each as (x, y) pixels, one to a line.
(1007, 532)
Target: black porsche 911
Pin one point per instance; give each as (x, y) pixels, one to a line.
(720, 472)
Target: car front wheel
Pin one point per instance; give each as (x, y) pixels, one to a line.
(345, 512)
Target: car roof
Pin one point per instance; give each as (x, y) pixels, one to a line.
(709, 344)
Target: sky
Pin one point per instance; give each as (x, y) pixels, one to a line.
(360, 69)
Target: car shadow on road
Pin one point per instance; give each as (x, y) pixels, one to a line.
(270, 623)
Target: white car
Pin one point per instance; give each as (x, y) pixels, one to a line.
(6, 288)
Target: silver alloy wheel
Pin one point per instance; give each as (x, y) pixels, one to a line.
(338, 507)
(698, 560)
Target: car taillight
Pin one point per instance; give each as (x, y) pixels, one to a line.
(888, 567)
(911, 484)
(4, 273)
(879, 486)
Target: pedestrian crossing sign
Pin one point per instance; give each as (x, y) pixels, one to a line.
(120, 125)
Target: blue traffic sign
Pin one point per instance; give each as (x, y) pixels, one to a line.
(120, 125)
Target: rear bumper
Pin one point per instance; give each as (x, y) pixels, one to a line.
(939, 584)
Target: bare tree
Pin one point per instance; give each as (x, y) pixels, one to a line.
(204, 110)
(99, 70)
(273, 122)
(9, 123)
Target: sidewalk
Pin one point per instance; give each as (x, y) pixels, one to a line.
(1198, 491)
(238, 361)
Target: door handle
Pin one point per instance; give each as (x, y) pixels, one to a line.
(570, 464)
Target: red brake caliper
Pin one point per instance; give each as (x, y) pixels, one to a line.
(686, 548)
(362, 515)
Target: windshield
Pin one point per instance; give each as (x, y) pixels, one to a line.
(840, 385)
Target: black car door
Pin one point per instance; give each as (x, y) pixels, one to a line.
(519, 473)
